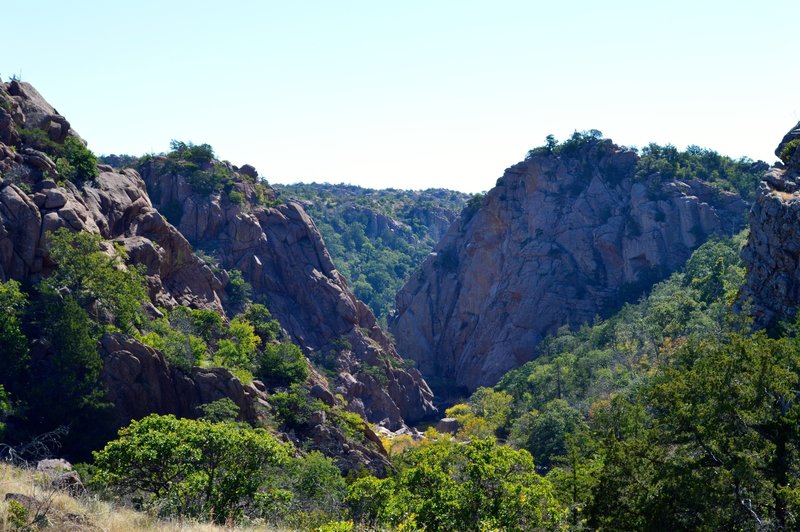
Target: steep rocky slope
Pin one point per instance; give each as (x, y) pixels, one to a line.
(565, 235)
(281, 254)
(772, 253)
(277, 248)
(377, 238)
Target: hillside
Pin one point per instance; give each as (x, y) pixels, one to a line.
(377, 238)
(570, 233)
(184, 331)
(113, 312)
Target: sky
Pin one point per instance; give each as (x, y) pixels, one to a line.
(411, 94)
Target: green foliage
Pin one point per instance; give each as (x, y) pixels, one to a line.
(282, 364)
(5, 409)
(545, 433)
(478, 485)
(18, 515)
(78, 163)
(659, 164)
(376, 258)
(666, 163)
(295, 406)
(190, 467)
(350, 423)
(74, 161)
(266, 328)
(473, 204)
(70, 373)
(196, 163)
(239, 291)
(239, 348)
(14, 354)
(207, 324)
(173, 336)
(236, 197)
(95, 279)
(788, 150)
(220, 410)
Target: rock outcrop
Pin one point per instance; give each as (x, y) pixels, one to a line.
(140, 381)
(281, 254)
(559, 240)
(772, 254)
(277, 248)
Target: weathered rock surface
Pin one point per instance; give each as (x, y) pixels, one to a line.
(281, 254)
(772, 253)
(140, 382)
(278, 249)
(556, 242)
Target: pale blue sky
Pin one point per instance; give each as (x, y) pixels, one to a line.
(409, 94)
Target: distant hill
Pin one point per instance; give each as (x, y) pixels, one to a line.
(377, 237)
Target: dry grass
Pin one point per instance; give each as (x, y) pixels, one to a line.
(95, 515)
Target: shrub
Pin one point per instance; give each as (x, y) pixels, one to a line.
(95, 279)
(236, 197)
(788, 150)
(294, 407)
(238, 290)
(187, 467)
(74, 161)
(266, 328)
(220, 410)
(477, 485)
(282, 365)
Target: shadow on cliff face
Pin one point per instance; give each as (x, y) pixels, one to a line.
(571, 233)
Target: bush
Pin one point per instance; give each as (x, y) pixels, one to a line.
(282, 365)
(477, 485)
(238, 290)
(220, 410)
(294, 407)
(95, 279)
(788, 150)
(195, 468)
(236, 197)
(74, 161)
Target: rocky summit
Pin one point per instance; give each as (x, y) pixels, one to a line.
(772, 253)
(566, 235)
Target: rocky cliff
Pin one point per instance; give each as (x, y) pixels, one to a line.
(277, 248)
(377, 237)
(562, 238)
(281, 254)
(772, 253)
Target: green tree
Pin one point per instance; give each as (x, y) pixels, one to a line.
(191, 467)
(544, 433)
(238, 349)
(97, 280)
(266, 328)
(282, 365)
(445, 485)
(220, 410)
(14, 354)
(5, 409)
(66, 388)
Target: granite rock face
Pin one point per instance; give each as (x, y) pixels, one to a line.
(281, 254)
(559, 240)
(141, 382)
(277, 248)
(772, 253)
